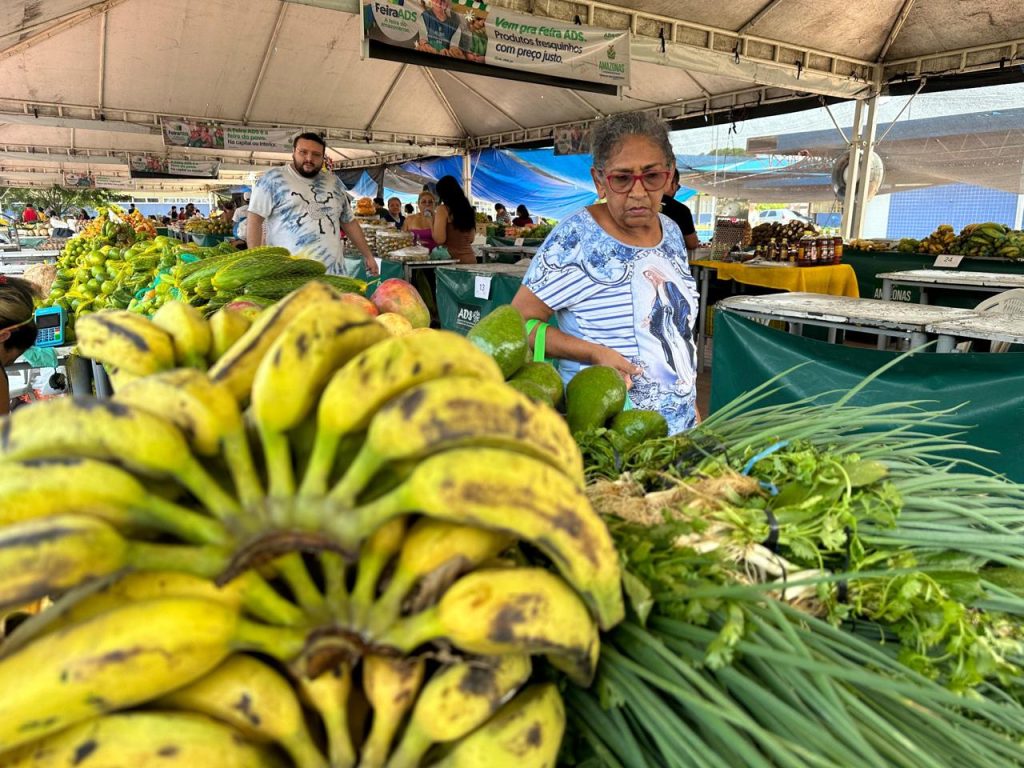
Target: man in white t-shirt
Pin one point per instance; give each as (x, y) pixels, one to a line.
(304, 208)
(238, 225)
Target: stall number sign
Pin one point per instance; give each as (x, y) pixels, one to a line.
(947, 260)
(482, 287)
(520, 241)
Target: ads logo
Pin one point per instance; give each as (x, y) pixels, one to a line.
(394, 20)
(468, 316)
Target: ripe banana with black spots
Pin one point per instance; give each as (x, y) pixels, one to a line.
(37, 488)
(144, 740)
(507, 492)
(525, 733)
(236, 368)
(455, 701)
(391, 685)
(189, 332)
(509, 610)
(207, 415)
(226, 327)
(251, 696)
(357, 390)
(48, 555)
(121, 658)
(294, 371)
(455, 412)
(105, 429)
(436, 550)
(329, 694)
(248, 593)
(374, 556)
(124, 340)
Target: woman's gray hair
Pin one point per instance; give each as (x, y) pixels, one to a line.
(607, 133)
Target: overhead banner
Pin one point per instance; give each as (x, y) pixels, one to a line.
(114, 182)
(497, 37)
(79, 180)
(211, 135)
(156, 167)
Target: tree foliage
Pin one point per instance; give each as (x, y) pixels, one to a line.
(63, 200)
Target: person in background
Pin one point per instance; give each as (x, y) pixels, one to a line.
(616, 275)
(17, 328)
(238, 219)
(680, 213)
(58, 227)
(408, 209)
(454, 223)
(131, 208)
(421, 223)
(173, 215)
(502, 216)
(306, 210)
(29, 215)
(395, 214)
(382, 210)
(522, 218)
(188, 211)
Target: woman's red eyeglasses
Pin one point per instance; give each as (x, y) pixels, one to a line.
(624, 182)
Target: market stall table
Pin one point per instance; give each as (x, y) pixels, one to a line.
(983, 326)
(882, 318)
(831, 279)
(493, 253)
(949, 279)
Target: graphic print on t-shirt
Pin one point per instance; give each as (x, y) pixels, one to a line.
(664, 332)
(318, 210)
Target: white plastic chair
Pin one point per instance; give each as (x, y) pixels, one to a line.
(1009, 302)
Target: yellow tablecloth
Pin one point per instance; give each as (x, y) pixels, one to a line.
(835, 279)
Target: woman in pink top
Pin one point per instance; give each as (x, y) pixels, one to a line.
(420, 224)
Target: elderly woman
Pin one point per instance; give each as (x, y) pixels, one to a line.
(421, 223)
(615, 275)
(17, 328)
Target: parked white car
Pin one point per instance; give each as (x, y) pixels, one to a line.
(781, 215)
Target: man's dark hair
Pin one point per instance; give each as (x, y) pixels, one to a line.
(378, 201)
(309, 136)
(675, 175)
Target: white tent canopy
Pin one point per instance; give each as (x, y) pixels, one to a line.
(84, 83)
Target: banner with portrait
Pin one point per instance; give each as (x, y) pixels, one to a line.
(155, 167)
(213, 135)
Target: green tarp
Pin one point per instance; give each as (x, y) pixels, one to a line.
(459, 307)
(388, 269)
(989, 387)
(867, 264)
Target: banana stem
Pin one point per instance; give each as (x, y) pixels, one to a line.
(203, 561)
(209, 493)
(328, 694)
(296, 576)
(414, 631)
(238, 455)
(335, 592)
(356, 524)
(388, 607)
(263, 602)
(321, 462)
(281, 643)
(184, 523)
(410, 749)
(278, 455)
(356, 478)
(370, 566)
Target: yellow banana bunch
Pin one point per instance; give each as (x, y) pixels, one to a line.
(126, 341)
(144, 740)
(189, 332)
(226, 327)
(255, 699)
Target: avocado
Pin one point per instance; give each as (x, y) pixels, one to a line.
(593, 396)
(502, 335)
(532, 390)
(639, 426)
(544, 376)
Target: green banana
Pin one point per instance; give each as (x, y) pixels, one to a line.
(208, 416)
(121, 658)
(525, 733)
(391, 685)
(511, 610)
(37, 488)
(144, 740)
(375, 376)
(189, 331)
(49, 555)
(455, 701)
(432, 547)
(226, 327)
(328, 694)
(458, 412)
(249, 695)
(293, 372)
(236, 368)
(374, 555)
(506, 492)
(104, 429)
(125, 340)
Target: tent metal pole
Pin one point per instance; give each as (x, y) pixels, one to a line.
(467, 174)
(851, 172)
(864, 174)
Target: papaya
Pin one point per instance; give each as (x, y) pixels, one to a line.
(593, 396)
(639, 426)
(502, 335)
(544, 376)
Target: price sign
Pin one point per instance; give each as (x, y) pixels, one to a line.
(520, 241)
(482, 287)
(947, 260)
